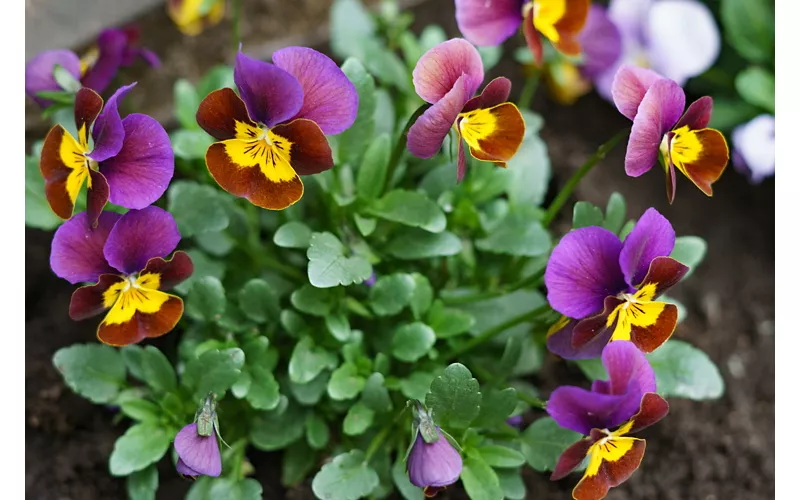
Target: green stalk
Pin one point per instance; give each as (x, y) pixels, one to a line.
(535, 402)
(573, 181)
(400, 145)
(529, 90)
(237, 10)
(377, 441)
(534, 279)
(257, 252)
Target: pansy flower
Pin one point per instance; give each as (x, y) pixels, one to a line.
(196, 444)
(660, 125)
(432, 463)
(125, 257)
(129, 163)
(114, 48)
(491, 23)
(627, 403)
(447, 76)
(754, 148)
(606, 289)
(275, 131)
(193, 16)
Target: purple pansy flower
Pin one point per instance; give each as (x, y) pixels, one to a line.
(196, 444)
(661, 127)
(432, 466)
(754, 148)
(130, 164)
(447, 77)
(124, 256)
(676, 38)
(115, 48)
(606, 289)
(274, 130)
(626, 402)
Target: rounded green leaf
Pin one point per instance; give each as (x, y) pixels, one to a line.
(206, 299)
(345, 383)
(273, 430)
(142, 485)
(95, 371)
(616, 211)
(347, 477)
(684, 371)
(411, 342)
(422, 297)
(338, 326)
(584, 214)
(416, 385)
(372, 173)
(690, 251)
(329, 264)
(448, 322)
(454, 397)
(308, 360)
(157, 371)
(258, 301)
(313, 301)
(264, 391)
(391, 294)
(140, 446)
(358, 419)
(196, 208)
(517, 234)
(186, 103)
(480, 480)
(375, 395)
(410, 208)
(353, 141)
(544, 441)
(413, 244)
(749, 26)
(501, 456)
(757, 86)
(317, 432)
(214, 371)
(293, 234)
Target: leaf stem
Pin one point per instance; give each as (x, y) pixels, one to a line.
(533, 401)
(377, 441)
(529, 90)
(534, 279)
(573, 181)
(257, 252)
(237, 38)
(400, 145)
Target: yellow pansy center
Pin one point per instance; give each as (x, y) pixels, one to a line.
(262, 148)
(134, 293)
(89, 59)
(546, 13)
(611, 448)
(74, 154)
(476, 125)
(637, 310)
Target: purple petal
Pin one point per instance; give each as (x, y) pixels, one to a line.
(697, 115)
(271, 94)
(630, 16)
(601, 42)
(140, 173)
(149, 57)
(494, 93)
(329, 97)
(108, 132)
(184, 469)
(630, 86)
(488, 23)
(560, 343)
(111, 44)
(433, 464)
(438, 70)
(461, 165)
(39, 73)
(199, 453)
(652, 237)
(754, 148)
(628, 370)
(140, 235)
(581, 410)
(659, 111)
(583, 270)
(427, 134)
(76, 253)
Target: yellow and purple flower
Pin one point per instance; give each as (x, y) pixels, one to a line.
(489, 23)
(660, 126)
(114, 49)
(129, 163)
(606, 289)
(196, 444)
(447, 77)
(275, 131)
(193, 16)
(124, 255)
(627, 402)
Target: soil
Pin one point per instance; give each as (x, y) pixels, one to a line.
(712, 450)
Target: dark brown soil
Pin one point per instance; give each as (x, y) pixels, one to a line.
(714, 450)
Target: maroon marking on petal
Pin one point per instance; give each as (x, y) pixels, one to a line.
(652, 409)
(610, 474)
(571, 458)
(664, 272)
(588, 328)
(651, 337)
(532, 38)
(494, 93)
(142, 326)
(310, 152)
(55, 173)
(171, 272)
(697, 115)
(88, 104)
(96, 196)
(219, 112)
(87, 301)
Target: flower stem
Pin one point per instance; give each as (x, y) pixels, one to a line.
(400, 145)
(535, 402)
(529, 90)
(377, 441)
(237, 37)
(573, 181)
(496, 330)
(257, 252)
(533, 279)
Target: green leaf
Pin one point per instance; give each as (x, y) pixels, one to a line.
(479, 479)
(422, 297)
(544, 441)
(690, 251)
(206, 300)
(214, 371)
(528, 172)
(157, 371)
(141, 410)
(517, 234)
(454, 397)
(496, 407)
(329, 265)
(615, 213)
(593, 368)
(293, 323)
(293, 234)
(347, 477)
(65, 79)
(414, 244)
(447, 322)
(196, 208)
(410, 208)
(391, 294)
(358, 419)
(404, 486)
(417, 385)
(203, 266)
(490, 55)
(186, 103)
(95, 371)
(140, 446)
(317, 432)
(313, 301)
(264, 392)
(411, 342)
(276, 429)
(308, 361)
(190, 144)
(339, 327)
(37, 211)
(684, 371)
(216, 243)
(350, 25)
(386, 66)
(584, 214)
(142, 485)
(749, 26)
(258, 302)
(375, 396)
(729, 113)
(353, 141)
(309, 394)
(206, 488)
(365, 225)
(757, 86)
(372, 173)
(385, 115)
(345, 382)
(501, 456)
(512, 484)
(218, 77)
(298, 460)
(493, 312)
